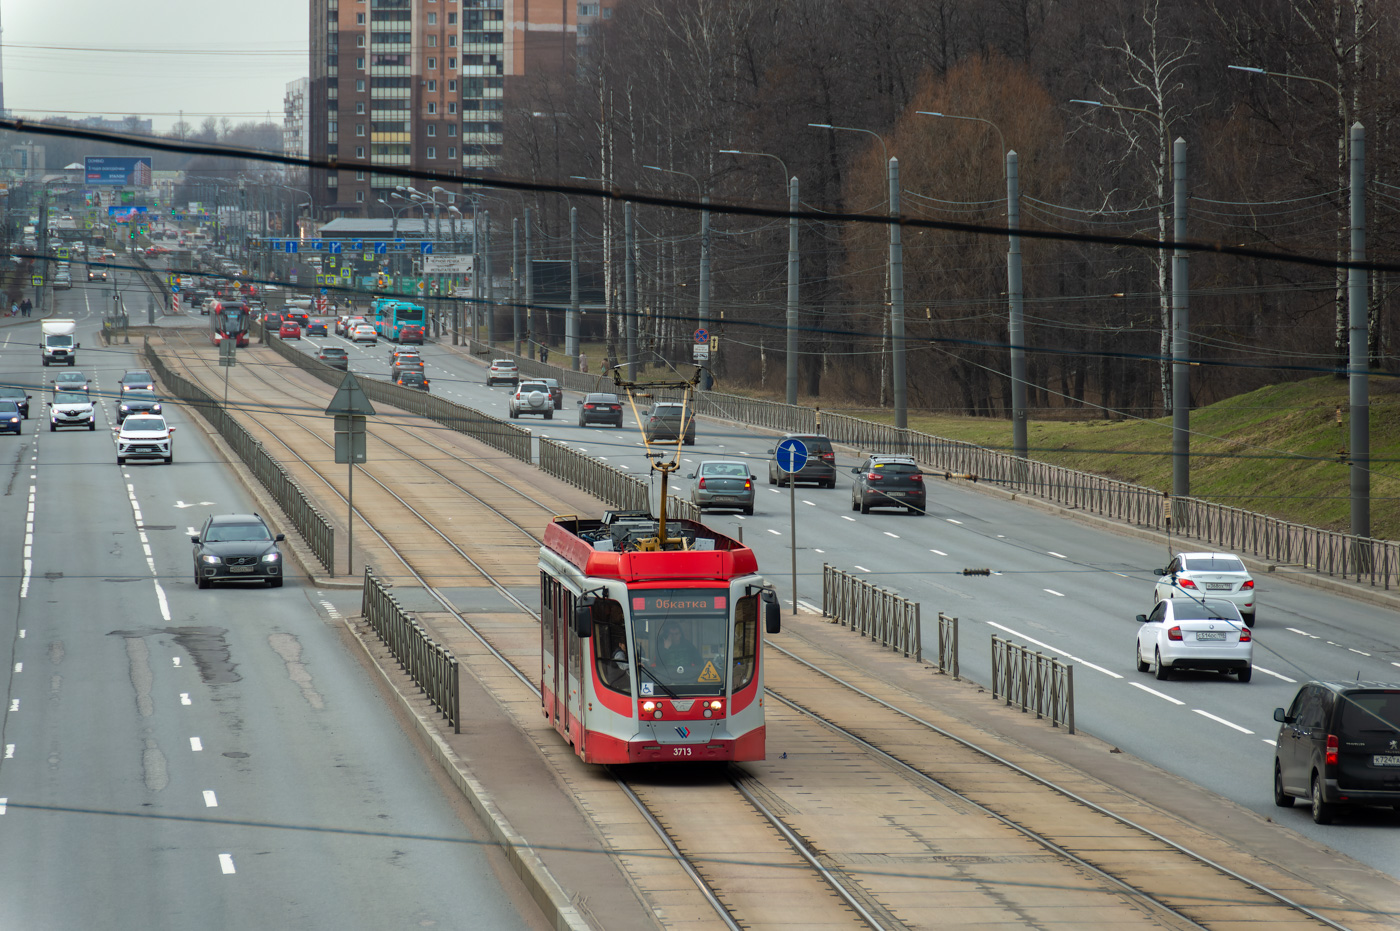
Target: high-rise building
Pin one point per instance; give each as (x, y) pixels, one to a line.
(422, 83)
(295, 141)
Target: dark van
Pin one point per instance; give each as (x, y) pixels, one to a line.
(1339, 745)
(819, 468)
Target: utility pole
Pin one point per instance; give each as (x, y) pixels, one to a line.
(529, 291)
(490, 288)
(901, 412)
(792, 310)
(1016, 326)
(1358, 361)
(571, 319)
(515, 283)
(630, 286)
(707, 380)
(1181, 347)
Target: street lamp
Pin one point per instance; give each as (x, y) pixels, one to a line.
(793, 319)
(707, 381)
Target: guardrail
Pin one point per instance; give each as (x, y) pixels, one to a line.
(889, 619)
(622, 491)
(1034, 681)
(496, 433)
(308, 521)
(429, 664)
(948, 645)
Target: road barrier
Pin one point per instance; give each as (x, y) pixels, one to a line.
(948, 645)
(622, 491)
(1033, 681)
(308, 521)
(889, 619)
(429, 664)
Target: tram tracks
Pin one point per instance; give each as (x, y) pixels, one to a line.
(1016, 799)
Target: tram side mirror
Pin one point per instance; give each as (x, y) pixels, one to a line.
(772, 613)
(583, 618)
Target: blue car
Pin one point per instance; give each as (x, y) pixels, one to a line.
(11, 418)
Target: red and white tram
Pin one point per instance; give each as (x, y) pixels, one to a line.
(650, 642)
(228, 320)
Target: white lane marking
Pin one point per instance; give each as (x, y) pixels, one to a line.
(1355, 650)
(1161, 695)
(775, 491)
(164, 605)
(1276, 675)
(24, 584)
(176, 661)
(226, 863)
(209, 800)
(1055, 593)
(1272, 743)
(142, 536)
(14, 704)
(888, 534)
(775, 533)
(1395, 664)
(197, 745)
(1217, 720)
(862, 569)
(21, 633)
(185, 698)
(9, 751)
(951, 521)
(147, 548)
(19, 667)
(3, 803)
(844, 517)
(1303, 632)
(1055, 554)
(1084, 662)
(938, 552)
(823, 552)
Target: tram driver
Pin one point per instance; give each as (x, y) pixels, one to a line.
(676, 649)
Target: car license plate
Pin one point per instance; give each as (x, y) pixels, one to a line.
(1210, 635)
(1386, 759)
(1219, 586)
(897, 494)
(241, 568)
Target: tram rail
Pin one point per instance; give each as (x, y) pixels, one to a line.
(1193, 898)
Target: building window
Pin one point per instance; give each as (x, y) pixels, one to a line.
(332, 126)
(359, 106)
(451, 41)
(359, 197)
(451, 64)
(432, 87)
(432, 152)
(432, 19)
(452, 130)
(432, 64)
(359, 19)
(451, 151)
(432, 107)
(432, 129)
(360, 85)
(359, 176)
(588, 9)
(359, 41)
(359, 151)
(360, 63)
(451, 19)
(432, 40)
(452, 107)
(452, 85)
(359, 129)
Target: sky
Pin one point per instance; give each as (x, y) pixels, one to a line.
(152, 58)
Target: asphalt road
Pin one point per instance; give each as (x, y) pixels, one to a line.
(177, 758)
(1059, 585)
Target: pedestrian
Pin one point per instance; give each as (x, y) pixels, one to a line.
(14, 308)
(28, 307)
(544, 353)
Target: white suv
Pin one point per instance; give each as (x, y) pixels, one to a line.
(71, 409)
(503, 371)
(145, 436)
(532, 397)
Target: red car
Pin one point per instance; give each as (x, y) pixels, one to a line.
(411, 333)
(289, 329)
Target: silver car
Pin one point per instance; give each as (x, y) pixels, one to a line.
(723, 484)
(1207, 575)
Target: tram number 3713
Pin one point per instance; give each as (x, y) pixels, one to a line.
(681, 751)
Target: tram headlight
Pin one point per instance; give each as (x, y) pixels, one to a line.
(648, 706)
(716, 704)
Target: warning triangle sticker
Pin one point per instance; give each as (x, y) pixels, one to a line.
(709, 674)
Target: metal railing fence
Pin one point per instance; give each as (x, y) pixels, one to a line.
(948, 645)
(1034, 682)
(429, 664)
(313, 526)
(889, 619)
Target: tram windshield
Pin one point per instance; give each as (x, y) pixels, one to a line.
(682, 641)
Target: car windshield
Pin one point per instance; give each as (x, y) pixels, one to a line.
(725, 469)
(70, 397)
(136, 378)
(16, 393)
(59, 341)
(71, 376)
(136, 397)
(9, 407)
(1212, 564)
(1210, 609)
(141, 424)
(682, 639)
(333, 351)
(237, 533)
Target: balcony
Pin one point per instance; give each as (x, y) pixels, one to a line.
(402, 138)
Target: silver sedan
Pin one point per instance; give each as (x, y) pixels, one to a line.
(723, 484)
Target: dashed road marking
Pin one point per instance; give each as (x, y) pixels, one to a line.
(226, 863)
(1219, 720)
(197, 745)
(1276, 675)
(1055, 593)
(888, 534)
(185, 698)
(951, 521)
(1162, 695)
(938, 552)
(209, 800)
(1055, 554)
(1082, 662)
(862, 569)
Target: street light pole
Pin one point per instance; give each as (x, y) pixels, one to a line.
(703, 308)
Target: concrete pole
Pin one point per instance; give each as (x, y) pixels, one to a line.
(1181, 329)
(476, 270)
(629, 270)
(529, 293)
(1016, 327)
(1357, 352)
(792, 315)
(515, 284)
(901, 405)
(571, 319)
(707, 381)
(489, 283)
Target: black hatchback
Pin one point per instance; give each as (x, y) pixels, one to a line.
(1338, 746)
(888, 482)
(820, 466)
(600, 407)
(236, 548)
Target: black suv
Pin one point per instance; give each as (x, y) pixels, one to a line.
(137, 380)
(138, 401)
(665, 423)
(19, 396)
(888, 482)
(600, 407)
(236, 548)
(1338, 745)
(335, 356)
(820, 466)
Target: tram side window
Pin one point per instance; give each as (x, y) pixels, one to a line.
(547, 611)
(566, 613)
(610, 646)
(745, 640)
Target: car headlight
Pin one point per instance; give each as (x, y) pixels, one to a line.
(210, 560)
(125, 408)
(156, 409)
(272, 557)
(14, 420)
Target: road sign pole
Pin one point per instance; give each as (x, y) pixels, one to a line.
(792, 535)
(792, 456)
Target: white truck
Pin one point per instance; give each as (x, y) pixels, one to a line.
(57, 343)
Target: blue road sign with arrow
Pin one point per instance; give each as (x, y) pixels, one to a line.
(792, 455)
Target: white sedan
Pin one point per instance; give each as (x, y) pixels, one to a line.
(1207, 575)
(365, 333)
(145, 436)
(1185, 633)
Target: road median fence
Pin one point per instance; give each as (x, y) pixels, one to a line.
(1033, 682)
(430, 665)
(314, 528)
(948, 645)
(889, 619)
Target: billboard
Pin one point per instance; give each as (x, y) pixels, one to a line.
(117, 170)
(124, 214)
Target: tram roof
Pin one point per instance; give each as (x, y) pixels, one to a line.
(599, 548)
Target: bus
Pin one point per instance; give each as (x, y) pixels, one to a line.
(390, 316)
(650, 649)
(228, 320)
